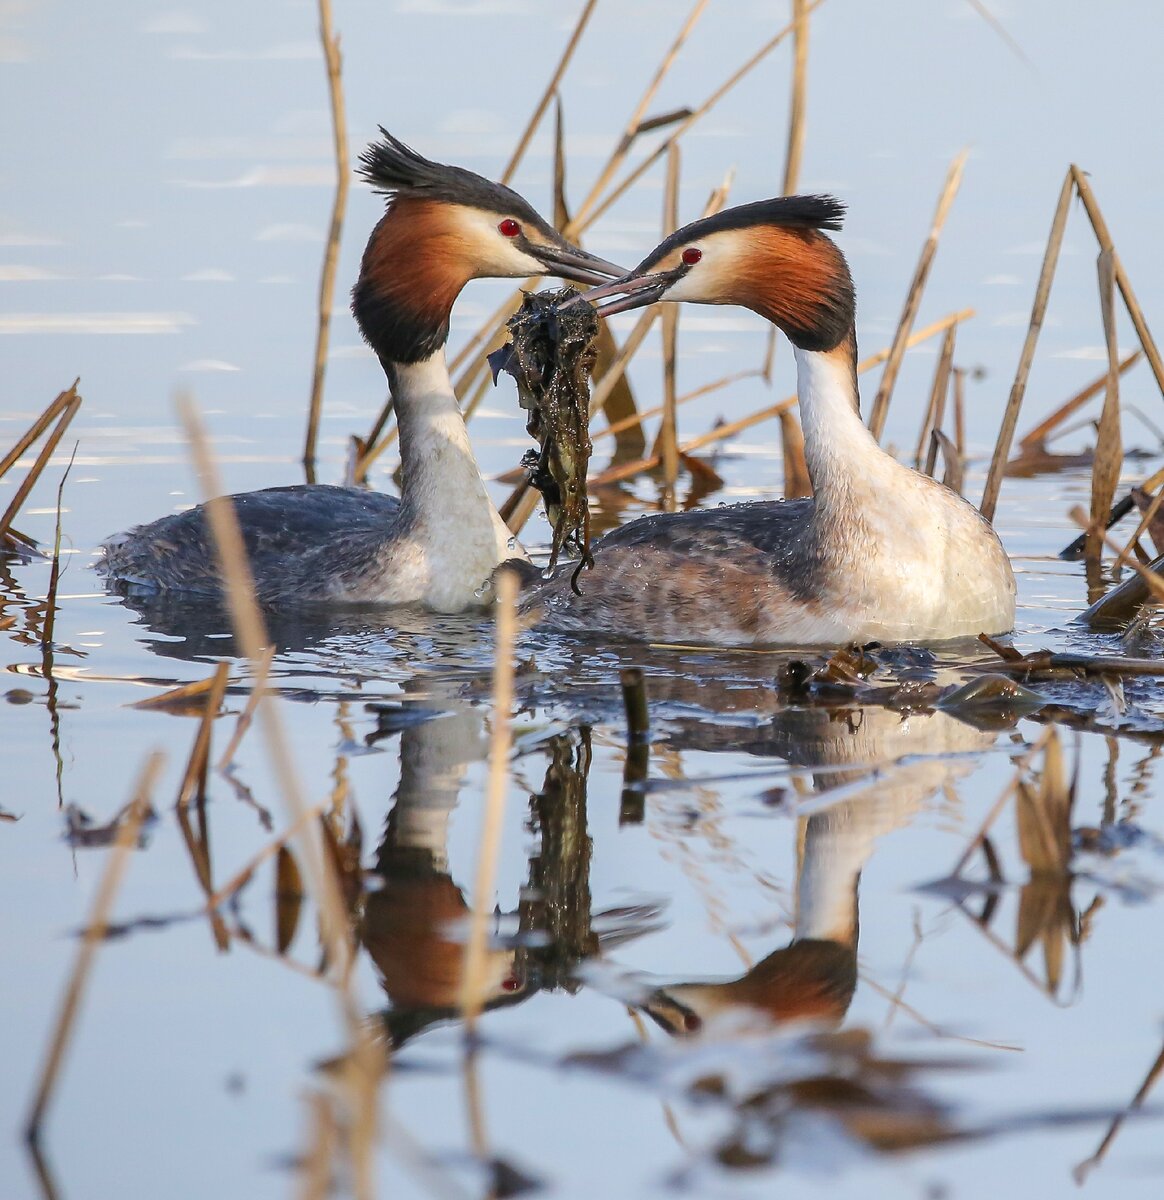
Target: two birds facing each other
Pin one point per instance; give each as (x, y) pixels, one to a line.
(879, 552)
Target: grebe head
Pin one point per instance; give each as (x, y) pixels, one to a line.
(770, 256)
(445, 226)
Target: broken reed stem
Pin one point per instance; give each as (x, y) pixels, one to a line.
(795, 149)
(634, 122)
(93, 935)
(1105, 471)
(66, 412)
(1026, 358)
(551, 87)
(731, 428)
(1039, 434)
(1154, 581)
(258, 683)
(193, 784)
(473, 978)
(365, 1062)
(339, 125)
(1095, 216)
(46, 418)
(936, 411)
(913, 298)
(1119, 510)
(1148, 517)
(666, 445)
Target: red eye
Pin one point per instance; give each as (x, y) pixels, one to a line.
(509, 227)
(692, 255)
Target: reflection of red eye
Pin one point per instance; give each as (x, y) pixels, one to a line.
(509, 227)
(692, 255)
(690, 1021)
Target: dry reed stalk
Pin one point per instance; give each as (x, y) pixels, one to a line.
(1146, 519)
(1095, 216)
(258, 683)
(46, 418)
(620, 402)
(586, 216)
(666, 444)
(960, 412)
(731, 428)
(1148, 574)
(648, 413)
(913, 298)
(635, 121)
(936, 410)
(65, 408)
(473, 976)
(1109, 453)
(585, 219)
(193, 785)
(323, 1137)
(1038, 435)
(339, 125)
(365, 1062)
(1119, 510)
(555, 79)
(1026, 358)
(797, 481)
(91, 939)
(794, 152)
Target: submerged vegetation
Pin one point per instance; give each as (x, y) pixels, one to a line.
(699, 755)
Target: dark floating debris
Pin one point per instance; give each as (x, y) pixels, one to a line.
(551, 354)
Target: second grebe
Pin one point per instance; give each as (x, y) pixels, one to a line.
(880, 552)
(439, 543)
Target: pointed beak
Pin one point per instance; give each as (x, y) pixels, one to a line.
(568, 262)
(633, 291)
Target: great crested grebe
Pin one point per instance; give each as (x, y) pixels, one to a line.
(880, 552)
(439, 543)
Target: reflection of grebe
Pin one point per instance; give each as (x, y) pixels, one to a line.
(815, 976)
(411, 919)
(438, 543)
(880, 552)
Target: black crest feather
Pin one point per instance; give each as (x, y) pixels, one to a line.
(395, 169)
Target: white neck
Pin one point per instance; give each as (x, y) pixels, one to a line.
(447, 511)
(836, 443)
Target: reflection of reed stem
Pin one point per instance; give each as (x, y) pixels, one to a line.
(93, 935)
(473, 985)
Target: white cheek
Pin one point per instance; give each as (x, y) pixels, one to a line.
(704, 283)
